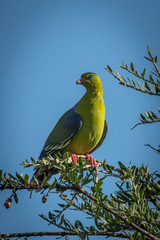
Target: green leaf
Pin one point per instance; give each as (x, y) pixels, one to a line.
(147, 170)
(123, 80)
(158, 82)
(53, 185)
(79, 225)
(135, 235)
(109, 68)
(142, 191)
(148, 48)
(119, 186)
(127, 185)
(149, 116)
(147, 87)
(57, 211)
(32, 159)
(15, 198)
(155, 59)
(62, 219)
(132, 82)
(103, 219)
(141, 237)
(11, 176)
(143, 73)
(148, 59)
(143, 87)
(122, 166)
(138, 177)
(61, 205)
(119, 77)
(153, 87)
(153, 52)
(51, 215)
(67, 225)
(20, 178)
(134, 196)
(143, 119)
(134, 85)
(150, 77)
(26, 177)
(86, 180)
(139, 84)
(132, 67)
(136, 72)
(157, 88)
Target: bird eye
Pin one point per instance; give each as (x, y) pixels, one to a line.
(90, 76)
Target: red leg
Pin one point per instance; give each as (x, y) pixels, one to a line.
(74, 158)
(93, 161)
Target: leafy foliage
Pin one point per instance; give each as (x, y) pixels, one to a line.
(133, 209)
(150, 85)
(130, 204)
(148, 117)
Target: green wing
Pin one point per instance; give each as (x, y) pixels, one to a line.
(62, 134)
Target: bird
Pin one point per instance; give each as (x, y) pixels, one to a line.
(80, 130)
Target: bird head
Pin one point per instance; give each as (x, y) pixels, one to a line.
(90, 81)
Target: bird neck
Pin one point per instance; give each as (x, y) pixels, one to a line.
(94, 90)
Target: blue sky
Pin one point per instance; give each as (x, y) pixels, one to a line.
(45, 46)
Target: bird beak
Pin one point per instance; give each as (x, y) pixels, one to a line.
(80, 81)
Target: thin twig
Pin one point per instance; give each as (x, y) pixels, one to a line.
(127, 85)
(115, 213)
(54, 223)
(154, 63)
(148, 145)
(110, 174)
(76, 206)
(75, 229)
(146, 80)
(141, 123)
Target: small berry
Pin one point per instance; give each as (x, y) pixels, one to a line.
(7, 204)
(44, 199)
(27, 182)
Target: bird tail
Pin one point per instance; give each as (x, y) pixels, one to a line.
(43, 173)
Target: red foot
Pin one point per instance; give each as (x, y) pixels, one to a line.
(93, 161)
(74, 158)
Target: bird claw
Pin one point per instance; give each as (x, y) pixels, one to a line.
(88, 157)
(74, 158)
(93, 161)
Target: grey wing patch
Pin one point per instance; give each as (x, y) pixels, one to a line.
(66, 129)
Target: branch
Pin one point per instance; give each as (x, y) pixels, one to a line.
(64, 233)
(133, 225)
(128, 85)
(138, 76)
(17, 184)
(144, 123)
(75, 229)
(153, 61)
(148, 145)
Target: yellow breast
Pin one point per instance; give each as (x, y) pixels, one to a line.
(92, 110)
